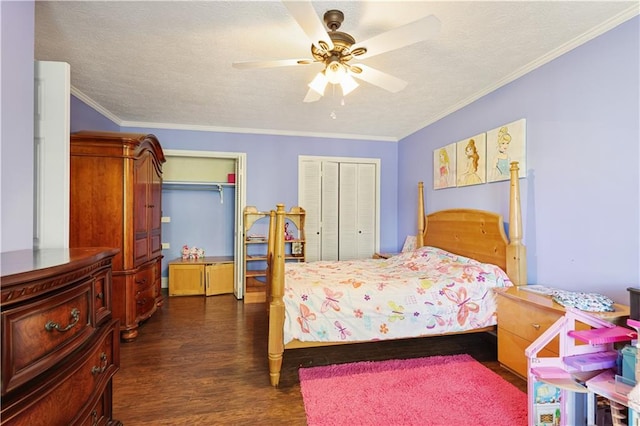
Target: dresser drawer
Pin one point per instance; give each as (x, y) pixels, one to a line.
(102, 296)
(145, 293)
(64, 398)
(526, 320)
(100, 413)
(41, 333)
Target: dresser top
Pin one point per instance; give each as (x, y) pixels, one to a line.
(25, 262)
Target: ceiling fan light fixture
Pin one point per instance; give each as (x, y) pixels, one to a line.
(319, 83)
(335, 71)
(348, 84)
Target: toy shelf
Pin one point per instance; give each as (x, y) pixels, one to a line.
(580, 369)
(600, 336)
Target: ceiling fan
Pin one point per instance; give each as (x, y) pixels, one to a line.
(335, 49)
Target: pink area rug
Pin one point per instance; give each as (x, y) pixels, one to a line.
(438, 391)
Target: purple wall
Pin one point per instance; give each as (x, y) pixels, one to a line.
(17, 41)
(581, 195)
(85, 118)
(272, 177)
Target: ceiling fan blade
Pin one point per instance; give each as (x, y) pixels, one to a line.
(416, 31)
(306, 16)
(271, 64)
(379, 78)
(312, 96)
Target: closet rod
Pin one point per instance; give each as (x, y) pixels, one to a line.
(198, 186)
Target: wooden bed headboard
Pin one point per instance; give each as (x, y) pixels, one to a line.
(472, 233)
(478, 234)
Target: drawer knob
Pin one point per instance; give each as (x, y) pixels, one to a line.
(100, 296)
(103, 365)
(142, 281)
(536, 326)
(75, 317)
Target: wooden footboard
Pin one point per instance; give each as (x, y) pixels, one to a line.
(471, 233)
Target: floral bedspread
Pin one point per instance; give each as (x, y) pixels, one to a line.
(422, 292)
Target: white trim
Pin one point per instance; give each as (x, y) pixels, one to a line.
(210, 154)
(340, 159)
(239, 130)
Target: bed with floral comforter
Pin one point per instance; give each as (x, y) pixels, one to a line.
(427, 291)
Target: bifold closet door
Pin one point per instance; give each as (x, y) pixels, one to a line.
(340, 203)
(311, 201)
(357, 202)
(319, 180)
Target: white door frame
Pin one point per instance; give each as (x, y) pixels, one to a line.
(240, 196)
(51, 154)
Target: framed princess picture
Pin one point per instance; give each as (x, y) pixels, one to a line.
(444, 167)
(471, 160)
(504, 145)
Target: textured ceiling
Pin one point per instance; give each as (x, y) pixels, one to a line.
(169, 64)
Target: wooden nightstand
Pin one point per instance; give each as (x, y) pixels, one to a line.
(523, 316)
(383, 255)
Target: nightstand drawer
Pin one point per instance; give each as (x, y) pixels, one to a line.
(526, 320)
(511, 349)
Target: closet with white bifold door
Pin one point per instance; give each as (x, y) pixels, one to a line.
(341, 198)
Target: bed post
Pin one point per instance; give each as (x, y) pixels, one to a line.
(276, 306)
(270, 249)
(420, 236)
(516, 251)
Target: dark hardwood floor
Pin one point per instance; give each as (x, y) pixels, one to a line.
(203, 361)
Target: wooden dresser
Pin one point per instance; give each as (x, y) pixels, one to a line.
(60, 344)
(116, 201)
(523, 316)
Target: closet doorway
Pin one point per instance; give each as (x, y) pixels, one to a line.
(342, 199)
(203, 200)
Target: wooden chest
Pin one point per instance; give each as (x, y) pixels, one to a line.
(60, 345)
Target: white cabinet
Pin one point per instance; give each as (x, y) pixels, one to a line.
(340, 197)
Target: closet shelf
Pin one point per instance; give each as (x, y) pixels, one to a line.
(204, 186)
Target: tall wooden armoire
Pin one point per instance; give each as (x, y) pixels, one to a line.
(116, 201)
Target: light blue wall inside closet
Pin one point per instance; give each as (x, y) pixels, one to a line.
(199, 219)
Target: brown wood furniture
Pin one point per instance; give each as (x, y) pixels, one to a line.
(523, 316)
(472, 233)
(206, 276)
(60, 345)
(116, 197)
